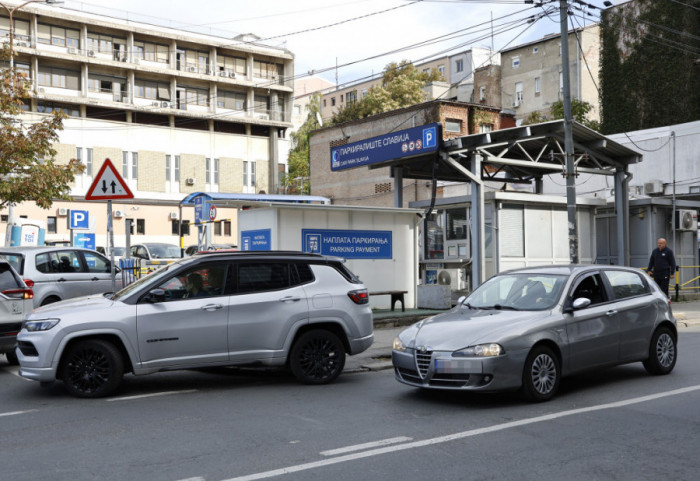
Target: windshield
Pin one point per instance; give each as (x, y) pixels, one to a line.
(15, 260)
(148, 278)
(163, 251)
(522, 292)
(119, 251)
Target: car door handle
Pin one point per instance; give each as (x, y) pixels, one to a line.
(94, 279)
(212, 307)
(290, 299)
(611, 313)
(61, 279)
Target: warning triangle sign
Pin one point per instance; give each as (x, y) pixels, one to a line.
(108, 184)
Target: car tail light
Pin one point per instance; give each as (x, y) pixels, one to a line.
(19, 293)
(359, 296)
(29, 282)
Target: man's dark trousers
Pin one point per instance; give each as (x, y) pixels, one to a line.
(662, 278)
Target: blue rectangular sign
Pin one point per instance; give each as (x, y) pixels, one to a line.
(86, 241)
(351, 244)
(256, 240)
(198, 209)
(79, 219)
(395, 145)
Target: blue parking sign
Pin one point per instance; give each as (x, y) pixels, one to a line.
(79, 219)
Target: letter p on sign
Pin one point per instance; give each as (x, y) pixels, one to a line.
(429, 137)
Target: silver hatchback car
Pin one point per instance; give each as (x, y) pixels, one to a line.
(304, 311)
(57, 273)
(529, 327)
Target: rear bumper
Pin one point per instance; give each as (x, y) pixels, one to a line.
(361, 344)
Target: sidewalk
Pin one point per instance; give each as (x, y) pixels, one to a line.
(388, 324)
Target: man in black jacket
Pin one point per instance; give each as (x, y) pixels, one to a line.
(662, 265)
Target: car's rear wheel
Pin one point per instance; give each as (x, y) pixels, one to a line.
(541, 375)
(92, 368)
(50, 300)
(662, 352)
(318, 357)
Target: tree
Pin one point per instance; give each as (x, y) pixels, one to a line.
(28, 171)
(579, 112)
(297, 178)
(402, 85)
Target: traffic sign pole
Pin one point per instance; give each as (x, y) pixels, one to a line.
(110, 233)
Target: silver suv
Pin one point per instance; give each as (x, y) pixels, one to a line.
(57, 273)
(304, 311)
(15, 304)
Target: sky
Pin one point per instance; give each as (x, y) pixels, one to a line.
(355, 35)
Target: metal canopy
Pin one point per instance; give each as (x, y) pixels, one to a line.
(522, 154)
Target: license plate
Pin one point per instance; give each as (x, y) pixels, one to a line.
(455, 366)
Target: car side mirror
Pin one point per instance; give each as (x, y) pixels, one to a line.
(461, 300)
(156, 295)
(580, 303)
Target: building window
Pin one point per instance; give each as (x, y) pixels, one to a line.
(231, 100)
(560, 49)
(134, 165)
(485, 128)
(561, 81)
(79, 154)
(216, 171)
(537, 86)
(482, 94)
(441, 69)
(59, 36)
(351, 97)
(324, 102)
(175, 227)
(364, 94)
(217, 228)
(230, 66)
(48, 107)
(141, 226)
(332, 101)
(151, 90)
(459, 65)
(88, 163)
(151, 52)
(518, 94)
(58, 77)
(51, 225)
(453, 125)
(208, 170)
(167, 168)
(516, 61)
(535, 49)
(227, 228)
(177, 168)
(125, 164)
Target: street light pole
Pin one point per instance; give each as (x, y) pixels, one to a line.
(568, 134)
(10, 13)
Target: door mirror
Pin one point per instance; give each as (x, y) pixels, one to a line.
(461, 300)
(156, 295)
(581, 303)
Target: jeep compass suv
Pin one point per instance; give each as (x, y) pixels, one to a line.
(275, 308)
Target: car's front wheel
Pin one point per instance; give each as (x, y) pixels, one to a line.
(662, 352)
(318, 357)
(12, 358)
(92, 368)
(541, 374)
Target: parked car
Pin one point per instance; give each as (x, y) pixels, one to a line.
(155, 254)
(15, 304)
(528, 328)
(57, 273)
(304, 311)
(193, 249)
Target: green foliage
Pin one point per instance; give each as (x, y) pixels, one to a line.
(296, 180)
(535, 117)
(579, 113)
(648, 71)
(402, 85)
(28, 171)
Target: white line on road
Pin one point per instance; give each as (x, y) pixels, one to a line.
(360, 447)
(155, 394)
(15, 413)
(457, 436)
(14, 370)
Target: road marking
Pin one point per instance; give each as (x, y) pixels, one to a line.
(360, 447)
(15, 413)
(458, 436)
(198, 478)
(14, 370)
(155, 394)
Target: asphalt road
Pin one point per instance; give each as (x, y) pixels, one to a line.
(618, 424)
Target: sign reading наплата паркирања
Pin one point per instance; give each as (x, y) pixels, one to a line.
(391, 146)
(350, 244)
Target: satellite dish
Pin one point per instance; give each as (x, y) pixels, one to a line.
(444, 278)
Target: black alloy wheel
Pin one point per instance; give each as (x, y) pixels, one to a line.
(92, 368)
(318, 357)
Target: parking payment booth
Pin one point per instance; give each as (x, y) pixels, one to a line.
(380, 245)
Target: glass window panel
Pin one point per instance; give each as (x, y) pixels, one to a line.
(162, 54)
(43, 34)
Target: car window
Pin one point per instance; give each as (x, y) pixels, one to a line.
(626, 284)
(141, 252)
(69, 261)
(262, 276)
(8, 279)
(15, 261)
(198, 282)
(518, 291)
(96, 263)
(591, 288)
(304, 273)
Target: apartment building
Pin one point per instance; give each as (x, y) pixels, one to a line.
(304, 89)
(177, 112)
(532, 76)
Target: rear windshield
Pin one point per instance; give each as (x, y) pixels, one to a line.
(15, 261)
(8, 279)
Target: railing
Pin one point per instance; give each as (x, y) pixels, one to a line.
(691, 284)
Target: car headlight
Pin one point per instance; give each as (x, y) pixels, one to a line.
(398, 345)
(42, 325)
(482, 350)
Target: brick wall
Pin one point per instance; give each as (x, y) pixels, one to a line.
(262, 176)
(99, 154)
(192, 166)
(230, 175)
(64, 153)
(151, 171)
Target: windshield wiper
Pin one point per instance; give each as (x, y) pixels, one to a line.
(499, 307)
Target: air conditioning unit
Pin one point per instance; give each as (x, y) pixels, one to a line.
(232, 74)
(653, 187)
(453, 278)
(263, 116)
(189, 181)
(173, 216)
(118, 214)
(42, 91)
(686, 219)
(223, 73)
(21, 44)
(191, 69)
(91, 53)
(165, 105)
(62, 211)
(155, 104)
(516, 104)
(72, 50)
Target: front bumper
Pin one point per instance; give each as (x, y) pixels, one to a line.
(439, 370)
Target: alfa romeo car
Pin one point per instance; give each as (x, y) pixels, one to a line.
(303, 311)
(526, 329)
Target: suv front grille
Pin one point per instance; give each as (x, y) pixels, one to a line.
(423, 362)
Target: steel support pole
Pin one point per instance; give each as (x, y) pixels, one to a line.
(622, 208)
(110, 244)
(398, 186)
(568, 135)
(477, 224)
